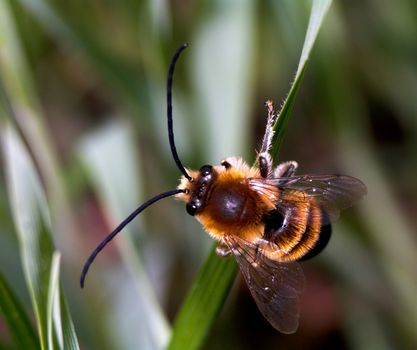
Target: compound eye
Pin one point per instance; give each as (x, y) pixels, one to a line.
(206, 170)
(191, 208)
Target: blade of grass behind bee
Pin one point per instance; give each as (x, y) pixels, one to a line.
(57, 307)
(318, 12)
(203, 302)
(23, 108)
(212, 285)
(110, 159)
(16, 318)
(31, 216)
(122, 76)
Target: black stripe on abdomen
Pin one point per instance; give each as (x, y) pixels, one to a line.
(323, 238)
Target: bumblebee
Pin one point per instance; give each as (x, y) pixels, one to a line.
(267, 218)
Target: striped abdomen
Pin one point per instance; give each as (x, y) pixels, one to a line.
(298, 228)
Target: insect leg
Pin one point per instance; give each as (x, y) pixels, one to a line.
(265, 164)
(286, 169)
(269, 133)
(223, 250)
(264, 159)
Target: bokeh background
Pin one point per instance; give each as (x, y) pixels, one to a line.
(94, 74)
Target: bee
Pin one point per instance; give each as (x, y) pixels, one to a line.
(268, 218)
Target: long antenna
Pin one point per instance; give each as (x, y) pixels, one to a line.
(122, 225)
(169, 111)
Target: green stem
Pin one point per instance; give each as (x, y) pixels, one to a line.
(203, 302)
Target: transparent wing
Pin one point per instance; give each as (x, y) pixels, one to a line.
(332, 192)
(275, 286)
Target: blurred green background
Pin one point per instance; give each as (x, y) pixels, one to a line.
(87, 82)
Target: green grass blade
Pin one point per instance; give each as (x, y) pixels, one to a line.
(26, 196)
(31, 217)
(318, 12)
(16, 318)
(58, 313)
(23, 107)
(215, 278)
(203, 302)
(222, 85)
(30, 213)
(110, 158)
(122, 76)
(53, 295)
(70, 339)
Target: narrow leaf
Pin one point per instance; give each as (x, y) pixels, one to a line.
(30, 213)
(318, 12)
(203, 302)
(110, 159)
(31, 217)
(62, 333)
(117, 72)
(52, 293)
(16, 318)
